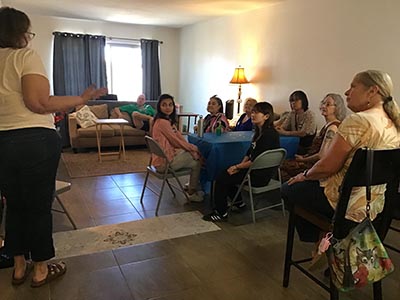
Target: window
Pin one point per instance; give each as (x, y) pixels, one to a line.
(124, 69)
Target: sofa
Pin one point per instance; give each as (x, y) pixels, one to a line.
(103, 109)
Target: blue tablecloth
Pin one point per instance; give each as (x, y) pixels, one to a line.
(229, 148)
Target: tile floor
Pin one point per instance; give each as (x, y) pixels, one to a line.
(239, 262)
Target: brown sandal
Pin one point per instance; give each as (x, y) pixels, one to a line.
(28, 270)
(55, 270)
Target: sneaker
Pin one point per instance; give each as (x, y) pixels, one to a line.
(216, 217)
(186, 187)
(238, 206)
(196, 197)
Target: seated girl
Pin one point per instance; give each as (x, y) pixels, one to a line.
(333, 110)
(180, 153)
(244, 123)
(265, 138)
(216, 117)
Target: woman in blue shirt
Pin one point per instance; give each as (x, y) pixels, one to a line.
(244, 123)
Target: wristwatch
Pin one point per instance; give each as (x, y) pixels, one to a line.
(305, 173)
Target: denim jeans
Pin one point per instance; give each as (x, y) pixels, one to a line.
(28, 165)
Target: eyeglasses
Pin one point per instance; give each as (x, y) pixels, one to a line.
(31, 35)
(327, 104)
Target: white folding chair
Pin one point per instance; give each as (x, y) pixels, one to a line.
(266, 160)
(62, 187)
(155, 148)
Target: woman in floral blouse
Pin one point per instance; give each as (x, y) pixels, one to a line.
(300, 122)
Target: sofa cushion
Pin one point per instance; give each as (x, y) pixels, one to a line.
(84, 117)
(90, 132)
(101, 111)
(125, 116)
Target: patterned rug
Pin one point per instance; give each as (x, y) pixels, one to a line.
(109, 237)
(87, 164)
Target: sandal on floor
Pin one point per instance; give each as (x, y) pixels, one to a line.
(55, 270)
(28, 270)
(216, 217)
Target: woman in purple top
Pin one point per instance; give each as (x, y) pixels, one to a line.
(244, 123)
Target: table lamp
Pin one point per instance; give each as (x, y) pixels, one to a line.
(239, 78)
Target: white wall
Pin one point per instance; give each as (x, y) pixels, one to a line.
(43, 26)
(314, 45)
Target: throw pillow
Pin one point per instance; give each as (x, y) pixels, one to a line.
(85, 117)
(101, 111)
(125, 116)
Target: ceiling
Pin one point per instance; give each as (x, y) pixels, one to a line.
(170, 13)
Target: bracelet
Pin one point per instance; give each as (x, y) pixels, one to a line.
(305, 173)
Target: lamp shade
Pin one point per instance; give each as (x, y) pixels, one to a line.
(239, 77)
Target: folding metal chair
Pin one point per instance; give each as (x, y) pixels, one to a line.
(266, 160)
(155, 148)
(62, 187)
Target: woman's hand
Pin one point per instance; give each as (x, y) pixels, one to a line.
(298, 178)
(92, 93)
(232, 170)
(299, 158)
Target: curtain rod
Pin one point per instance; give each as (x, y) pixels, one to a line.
(127, 39)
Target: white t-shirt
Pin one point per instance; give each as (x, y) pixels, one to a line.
(15, 63)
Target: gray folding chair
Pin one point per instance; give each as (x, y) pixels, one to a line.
(62, 187)
(155, 148)
(266, 160)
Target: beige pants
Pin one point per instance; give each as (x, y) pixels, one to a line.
(184, 160)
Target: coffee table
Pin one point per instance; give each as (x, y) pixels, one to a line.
(99, 126)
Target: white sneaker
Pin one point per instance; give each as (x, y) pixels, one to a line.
(186, 186)
(196, 197)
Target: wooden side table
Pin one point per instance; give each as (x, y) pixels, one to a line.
(187, 115)
(99, 125)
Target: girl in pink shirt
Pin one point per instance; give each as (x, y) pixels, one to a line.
(179, 152)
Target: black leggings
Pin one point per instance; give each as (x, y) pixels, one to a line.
(28, 166)
(309, 195)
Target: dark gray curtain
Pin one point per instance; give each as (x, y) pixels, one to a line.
(78, 61)
(151, 68)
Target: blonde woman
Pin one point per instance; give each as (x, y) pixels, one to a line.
(375, 124)
(244, 123)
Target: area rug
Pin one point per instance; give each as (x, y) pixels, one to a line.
(87, 164)
(110, 237)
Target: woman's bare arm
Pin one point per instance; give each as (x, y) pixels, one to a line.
(36, 95)
(332, 161)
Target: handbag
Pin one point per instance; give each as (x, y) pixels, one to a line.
(359, 259)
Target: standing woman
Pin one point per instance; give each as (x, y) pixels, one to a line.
(300, 122)
(180, 153)
(265, 138)
(216, 116)
(30, 149)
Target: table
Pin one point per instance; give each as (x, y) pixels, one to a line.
(229, 148)
(187, 115)
(99, 125)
